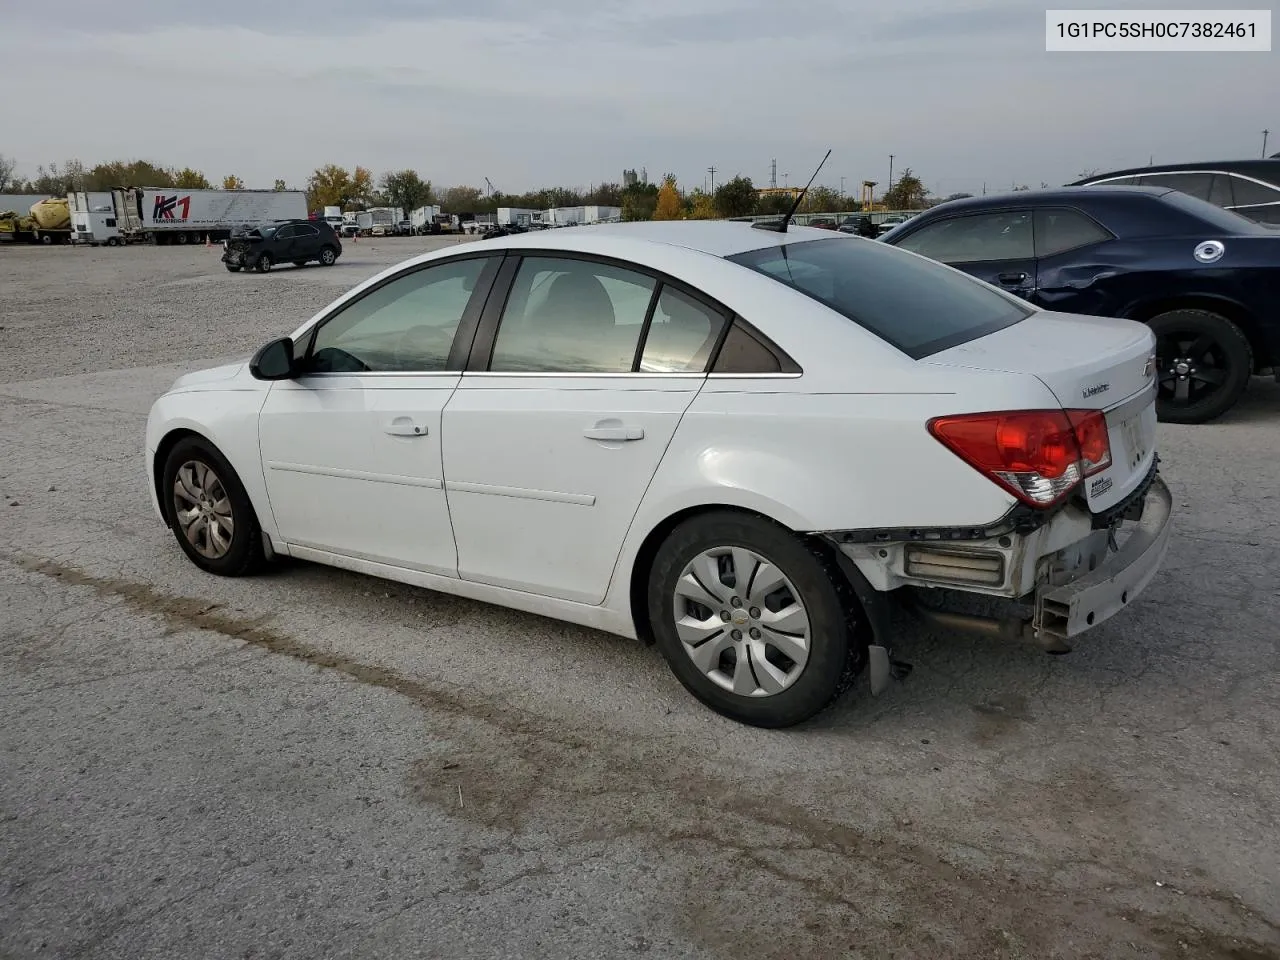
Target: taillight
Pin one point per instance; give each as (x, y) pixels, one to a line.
(1038, 455)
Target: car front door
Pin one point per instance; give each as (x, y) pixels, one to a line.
(573, 393)
(280, 244)
(351, 447)
(996, 246)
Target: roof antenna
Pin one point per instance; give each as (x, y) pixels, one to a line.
(781, 226)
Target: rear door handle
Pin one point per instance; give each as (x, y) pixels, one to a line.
(405, 427)
(1013, 279)
(612, 430)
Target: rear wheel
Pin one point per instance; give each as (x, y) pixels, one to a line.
(750, 619)
(327, 256)
(182, 239)
(264, 263)
(113, 242)
(209, 511)
(1203, 363)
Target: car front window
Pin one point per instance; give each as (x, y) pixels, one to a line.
(916, 305)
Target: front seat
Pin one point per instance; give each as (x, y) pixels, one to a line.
(578, 320)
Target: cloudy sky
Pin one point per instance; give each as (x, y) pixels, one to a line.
(539, 92)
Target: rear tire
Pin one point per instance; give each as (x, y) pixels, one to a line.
(1203, 364)
(328, 256)
(182, 239)
(113, 242)
(807, 593)
(264, 263)
(208, 478)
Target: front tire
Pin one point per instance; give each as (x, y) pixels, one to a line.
(750, 619)
(209, 511)
(1203, 364)
(264, 263)
(328, 256)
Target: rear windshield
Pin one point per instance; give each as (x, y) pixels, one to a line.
(1214, 216)
(917, 305)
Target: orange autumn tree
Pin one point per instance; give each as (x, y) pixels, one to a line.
(669, 205)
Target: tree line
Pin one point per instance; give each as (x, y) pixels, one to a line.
(358, 189)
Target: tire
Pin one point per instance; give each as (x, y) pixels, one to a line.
(182, 239)
(243, 553)
(328, 256)
(1203, 364)
(46, 239)
(234, 268)
(833, 658)
(113, 242)
(263, 263)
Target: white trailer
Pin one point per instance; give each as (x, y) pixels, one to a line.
(171, 215)
(422, 218)
(517, 216)
(379, 221)
(93, 218)
(598, 214)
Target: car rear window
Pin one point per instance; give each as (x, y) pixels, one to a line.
(1213, 215)
(919, 306)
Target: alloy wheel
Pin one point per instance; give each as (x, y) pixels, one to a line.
(742, 622)
(1190, 367)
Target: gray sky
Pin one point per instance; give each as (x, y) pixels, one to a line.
(550, 92)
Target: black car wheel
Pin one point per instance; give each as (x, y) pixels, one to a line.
(264, 263)
(327, 256)
(1203, 363)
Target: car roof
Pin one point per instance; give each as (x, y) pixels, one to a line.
(719, 238)
(1266, 167)
(1051, 196)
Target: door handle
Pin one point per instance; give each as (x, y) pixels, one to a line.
(1013, 279)
(405, 427)
(612, 430)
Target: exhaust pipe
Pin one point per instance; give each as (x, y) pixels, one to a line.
(1008, 628)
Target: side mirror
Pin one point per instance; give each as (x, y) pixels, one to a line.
(274, 361)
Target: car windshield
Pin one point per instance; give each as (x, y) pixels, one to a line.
(1215, 216)
(919, 306)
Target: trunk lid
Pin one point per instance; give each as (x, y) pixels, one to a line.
(1088, 363)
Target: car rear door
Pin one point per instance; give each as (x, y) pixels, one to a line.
(1064, 240)
(996, 246)
(577, 382)
(306, 242)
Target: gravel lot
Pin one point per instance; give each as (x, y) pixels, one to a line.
(317, 764)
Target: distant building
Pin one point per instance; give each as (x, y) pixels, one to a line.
(789, 192)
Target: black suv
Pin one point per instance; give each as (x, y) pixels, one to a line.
(1249, 187)
(289, 241)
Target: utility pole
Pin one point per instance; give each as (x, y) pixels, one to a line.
(1265, 133)
(773, 173)
(842, 188)
(712, 171)
(890, 186)
(785, 178)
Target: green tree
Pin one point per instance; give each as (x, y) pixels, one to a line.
(639, 201)
(406, 190)
(702, 206)
(461, 199)
(736, 197)
(669, 206)
(279, 186)
(189, 179)
(907, 193)
(232, 182)
(773, 204)
(822, 200)
(329, 186)
(604, 195)
(131, 173)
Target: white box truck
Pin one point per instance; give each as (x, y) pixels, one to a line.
(172, 215)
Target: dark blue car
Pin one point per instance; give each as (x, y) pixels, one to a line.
(1207, 281)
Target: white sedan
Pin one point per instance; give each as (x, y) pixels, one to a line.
(743, 444)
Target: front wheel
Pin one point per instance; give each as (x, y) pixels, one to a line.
(1203, 363)
(264, 263)
(750, 619)
(209, 511)
(328, 256)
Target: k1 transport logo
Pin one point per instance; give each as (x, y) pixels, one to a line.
(165, 207)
